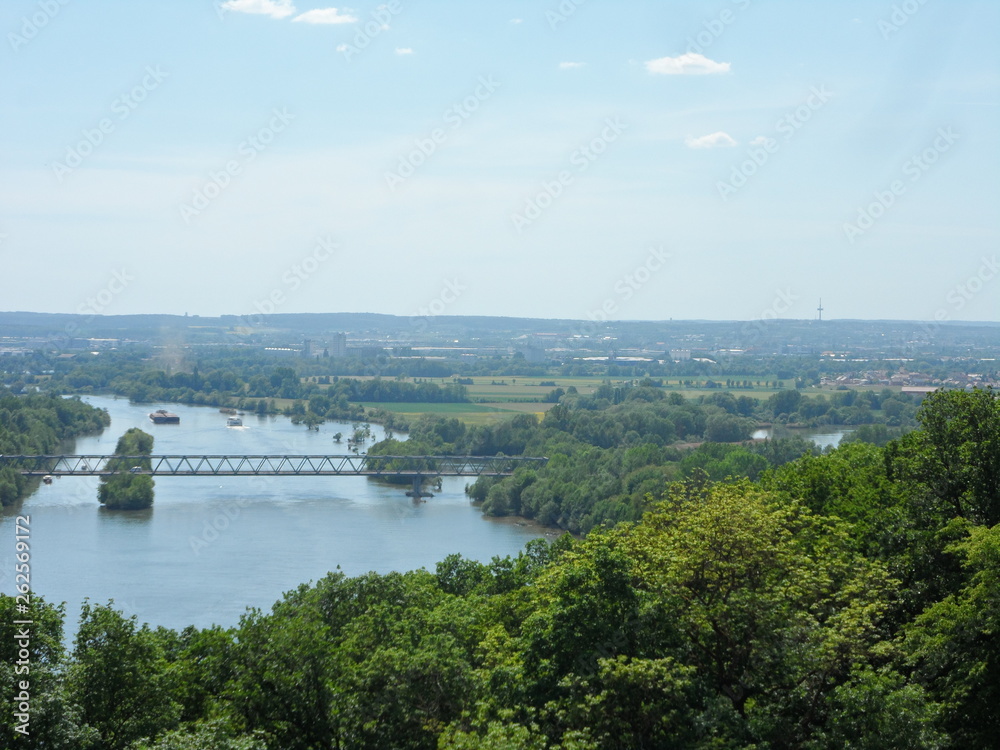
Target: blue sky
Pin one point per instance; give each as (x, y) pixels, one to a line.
(589, 159)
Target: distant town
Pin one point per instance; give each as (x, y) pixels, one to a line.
(914, 356)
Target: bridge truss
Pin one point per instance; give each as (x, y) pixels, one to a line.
(266, 465)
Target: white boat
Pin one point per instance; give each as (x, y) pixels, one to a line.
(234, 422)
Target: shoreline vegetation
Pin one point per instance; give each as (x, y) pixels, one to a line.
(844, 599)
(38, 424)
(128, 489)
(324, 388)
(738, 592)
(609, 443)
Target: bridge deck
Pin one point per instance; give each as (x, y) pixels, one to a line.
(266, 465)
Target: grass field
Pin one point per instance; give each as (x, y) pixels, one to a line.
(501, 397)
(468, 413)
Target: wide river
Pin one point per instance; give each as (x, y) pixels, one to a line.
(212, 546)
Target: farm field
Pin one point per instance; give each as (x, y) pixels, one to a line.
(499, 397)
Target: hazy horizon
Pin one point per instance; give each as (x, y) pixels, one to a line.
(253, 318)
(564, 160)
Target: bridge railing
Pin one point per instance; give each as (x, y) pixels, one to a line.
(272, 465)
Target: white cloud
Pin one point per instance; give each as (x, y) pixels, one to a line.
(517, 20)
(272, 8)
(326, 15)
(760, 140)
(570, 65)
(713, 140)
(404, 50)
(688, 64)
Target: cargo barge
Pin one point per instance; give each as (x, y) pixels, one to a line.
(162, 416)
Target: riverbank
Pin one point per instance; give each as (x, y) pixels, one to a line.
(212, 546)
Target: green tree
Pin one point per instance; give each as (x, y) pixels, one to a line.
(281, 677)
(955, 645)
(127, 489)
(55, 719)
(211, 735)
(119, 677)
(769, 605)
(954, 459)
(726, 428)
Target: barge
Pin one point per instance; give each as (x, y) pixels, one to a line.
(162, 416)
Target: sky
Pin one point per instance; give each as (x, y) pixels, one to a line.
(582, 159)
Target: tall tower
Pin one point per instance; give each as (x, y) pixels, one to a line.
(820, 309)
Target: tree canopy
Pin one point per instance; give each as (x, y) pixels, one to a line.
(850, 599)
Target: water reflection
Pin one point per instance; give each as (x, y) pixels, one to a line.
(212, 546)
(827, 437)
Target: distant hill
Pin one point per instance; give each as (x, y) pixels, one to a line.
(782, 336)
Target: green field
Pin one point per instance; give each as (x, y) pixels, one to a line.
(499, 389)
(468, 413)
(501, 397)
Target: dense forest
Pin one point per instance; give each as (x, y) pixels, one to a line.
(39, 424)
(610, 450)
(850, 599)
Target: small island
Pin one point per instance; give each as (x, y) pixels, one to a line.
(129, 488)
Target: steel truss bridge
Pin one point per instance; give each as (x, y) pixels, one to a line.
(415, 468)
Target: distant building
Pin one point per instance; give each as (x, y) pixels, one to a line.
(533, 354)
(680, 355)
(282, 351)
(366, 352)
(338, 345)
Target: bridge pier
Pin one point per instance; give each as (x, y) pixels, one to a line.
(417, 492)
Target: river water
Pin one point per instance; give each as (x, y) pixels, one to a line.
(828, 437)
(212, 546)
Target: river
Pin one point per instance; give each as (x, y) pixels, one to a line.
(212, 546)
(828, 437)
